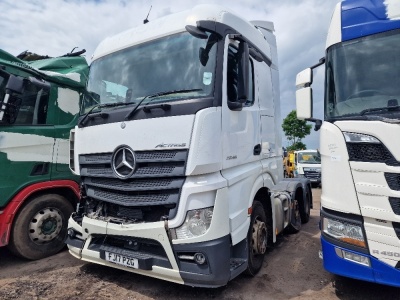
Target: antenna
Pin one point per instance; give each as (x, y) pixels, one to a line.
(146, 20)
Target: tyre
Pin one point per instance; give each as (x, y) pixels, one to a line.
(256, 239)
(40, 227)
(295, 218)
(305, 208)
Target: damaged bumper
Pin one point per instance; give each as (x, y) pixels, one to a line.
(146, 249)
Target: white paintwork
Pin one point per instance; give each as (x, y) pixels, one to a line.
(176, 23)
(62, 151)
(68, 101)
(222, 170)
(335, 30)
(73, 76)
(382, 237)
(105, 138)
(240, 129)
(197, 192)
(205, 154)
(332, 144)
(392, 9)
(303, 78)
(304, 103)
(154, 231)
(26, 147)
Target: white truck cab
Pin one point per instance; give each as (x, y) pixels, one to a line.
(179, 151)
(308, 165)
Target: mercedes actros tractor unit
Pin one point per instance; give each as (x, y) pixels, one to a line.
(179, 151)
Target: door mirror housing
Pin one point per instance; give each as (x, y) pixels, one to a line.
(15, 85)
(304, 103)
(304, 94)
(304, 78)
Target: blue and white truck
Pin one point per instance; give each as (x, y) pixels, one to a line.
(359, 144)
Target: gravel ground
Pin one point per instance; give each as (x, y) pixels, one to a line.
(291, 270)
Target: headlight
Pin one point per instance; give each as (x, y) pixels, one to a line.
(352, 137)
(344, 231)
(197, 223)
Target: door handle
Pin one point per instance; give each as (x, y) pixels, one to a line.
(257, 149)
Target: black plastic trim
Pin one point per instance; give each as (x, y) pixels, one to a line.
(178, 108)
(74, 242)
(216, 271)
(349, 218)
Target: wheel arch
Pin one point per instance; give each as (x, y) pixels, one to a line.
(66, 188)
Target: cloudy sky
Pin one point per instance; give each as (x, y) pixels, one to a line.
(54, 27)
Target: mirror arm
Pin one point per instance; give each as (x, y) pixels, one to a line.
(318, 123)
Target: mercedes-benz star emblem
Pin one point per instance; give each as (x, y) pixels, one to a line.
(123, 162)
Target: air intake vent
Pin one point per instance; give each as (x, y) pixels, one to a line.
(368, 152)
(393, 181)
(395, 204)
(396, 227)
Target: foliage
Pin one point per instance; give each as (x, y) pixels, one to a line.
(297, 146)
(295, 130)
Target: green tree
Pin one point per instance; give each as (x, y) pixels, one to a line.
(295, 130)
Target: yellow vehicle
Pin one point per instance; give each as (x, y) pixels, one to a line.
(289, 165)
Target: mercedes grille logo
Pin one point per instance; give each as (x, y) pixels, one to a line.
(123, 162)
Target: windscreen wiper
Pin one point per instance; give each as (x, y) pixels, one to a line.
(83, 121)
(130, 114)
(389, 108)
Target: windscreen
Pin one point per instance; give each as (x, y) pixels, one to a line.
(362, 76)
(180, 65)
(312, 157)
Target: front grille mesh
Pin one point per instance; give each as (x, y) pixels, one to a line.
(311, 174)
(152, 191)
(393, 181)
(368, 152)
(395, 204)
(396, 227)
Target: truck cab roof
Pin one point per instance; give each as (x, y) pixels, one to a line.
(176, 23)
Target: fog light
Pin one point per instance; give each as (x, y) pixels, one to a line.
(71, 233)
(199, 258)
(359, 259)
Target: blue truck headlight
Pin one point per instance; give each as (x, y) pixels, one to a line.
(344, 231)
(197, 223)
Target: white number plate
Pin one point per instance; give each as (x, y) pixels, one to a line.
(122, 260)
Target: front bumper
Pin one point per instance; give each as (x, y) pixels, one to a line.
(162, 259)
(378, 272)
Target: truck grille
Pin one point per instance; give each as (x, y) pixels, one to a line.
(151, 192)
(312, 174)
(367, 152)
(393, 181)
(395, 204)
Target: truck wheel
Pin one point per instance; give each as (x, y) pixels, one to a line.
(256, 239)
(40, 227)
(295, 218)
(305, 209)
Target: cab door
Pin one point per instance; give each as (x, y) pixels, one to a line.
(241, 128)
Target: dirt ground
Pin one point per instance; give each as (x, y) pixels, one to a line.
(292, 270)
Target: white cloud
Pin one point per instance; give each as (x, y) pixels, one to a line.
(55, 27)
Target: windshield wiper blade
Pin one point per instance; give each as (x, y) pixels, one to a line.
(389, 108)
(174, 92)
(130, 114)
(83, 121)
